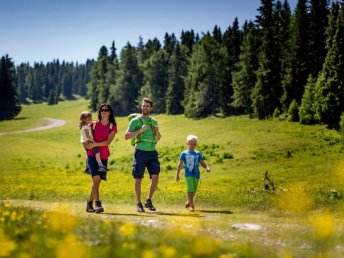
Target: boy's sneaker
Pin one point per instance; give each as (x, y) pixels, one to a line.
(99, 207)
(149, 205)
(191, 208)
(140, 207)
(89, 207)
(102, 168)
(187, 205)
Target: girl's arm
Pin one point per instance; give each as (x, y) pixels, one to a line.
(180, 166)
(204, 166)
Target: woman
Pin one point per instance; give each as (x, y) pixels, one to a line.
(104, 131)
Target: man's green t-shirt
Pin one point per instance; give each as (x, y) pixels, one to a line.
(148, 136)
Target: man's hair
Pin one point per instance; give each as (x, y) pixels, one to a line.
(148, 101)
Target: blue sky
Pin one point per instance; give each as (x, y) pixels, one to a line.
(74, 30)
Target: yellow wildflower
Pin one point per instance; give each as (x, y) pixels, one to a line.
(70, 246)
(148, 254)
(168, 251)
(6, 245)
(128, 229)
(204, 246)
(323, 226)
(61, 221)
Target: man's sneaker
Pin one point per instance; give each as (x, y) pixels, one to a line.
(99, 207)
(149, 205)
(102, 168)
(140, 207)
(89, 207)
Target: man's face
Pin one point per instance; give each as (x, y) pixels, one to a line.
(146, 108)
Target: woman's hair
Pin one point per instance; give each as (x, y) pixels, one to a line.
(111, 115)
(84, 115)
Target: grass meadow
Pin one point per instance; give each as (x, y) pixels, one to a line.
(43, 191)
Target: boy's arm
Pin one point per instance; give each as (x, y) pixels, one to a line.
(204, 166)
(180, 166)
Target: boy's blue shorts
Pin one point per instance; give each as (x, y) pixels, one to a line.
(143, 159)
(93, 166)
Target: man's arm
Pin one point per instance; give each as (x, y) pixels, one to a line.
(129, 135)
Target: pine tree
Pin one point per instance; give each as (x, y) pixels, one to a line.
(299, 71)
(318, 21)
(206, 79)
(244, 77)
(268, 90)
(232, 40)
(9, 101)
(124, 95)
(177, 71)
(330, 84)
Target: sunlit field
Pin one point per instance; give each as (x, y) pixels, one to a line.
(43, 191)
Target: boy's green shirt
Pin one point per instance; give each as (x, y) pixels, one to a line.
(135, 124)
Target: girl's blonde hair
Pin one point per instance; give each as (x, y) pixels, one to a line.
(84, 115)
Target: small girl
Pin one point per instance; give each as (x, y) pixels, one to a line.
(86, 136)
(191, 158)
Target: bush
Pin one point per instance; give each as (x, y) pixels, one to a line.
(293, 111)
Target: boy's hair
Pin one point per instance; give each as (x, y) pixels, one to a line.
(191, 137)
(84, 115)
(148, 101)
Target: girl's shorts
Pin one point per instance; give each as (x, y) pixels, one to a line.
(192, 184)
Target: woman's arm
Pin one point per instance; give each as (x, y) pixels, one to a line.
(107, 142)
(103, 143)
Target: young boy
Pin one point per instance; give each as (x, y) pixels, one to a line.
(191, 158)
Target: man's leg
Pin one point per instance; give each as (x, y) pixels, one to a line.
(153, 186)
(138, 182)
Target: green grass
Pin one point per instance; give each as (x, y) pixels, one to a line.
(305, 163)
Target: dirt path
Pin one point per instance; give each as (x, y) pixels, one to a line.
(50, 123)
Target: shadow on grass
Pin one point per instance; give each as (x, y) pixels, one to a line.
(151, 214)
(126, 214)
(215, 211)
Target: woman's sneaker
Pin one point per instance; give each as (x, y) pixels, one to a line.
(149, 205)
(89, 207)
(140, 207)
(99, 207)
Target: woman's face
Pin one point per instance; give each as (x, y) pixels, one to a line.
(104, 111)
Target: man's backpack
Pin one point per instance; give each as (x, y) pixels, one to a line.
(139, 138)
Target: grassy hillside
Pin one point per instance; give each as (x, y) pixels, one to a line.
(43, 191)
(48, 165)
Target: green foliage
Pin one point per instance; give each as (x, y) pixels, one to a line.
(9, 101)
(307, 107)
(293, 111)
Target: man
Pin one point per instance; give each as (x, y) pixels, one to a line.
(145, 130)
